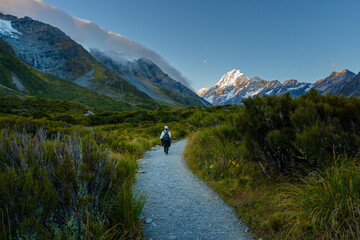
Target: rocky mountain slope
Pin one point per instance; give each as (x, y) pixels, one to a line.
(333, 82)
(235, 86)
(51, 51)
(17, 77)
(150, 79)
(351, 88)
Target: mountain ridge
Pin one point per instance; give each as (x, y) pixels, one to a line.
(149, 78)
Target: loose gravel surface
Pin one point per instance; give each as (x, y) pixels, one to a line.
(178, 204)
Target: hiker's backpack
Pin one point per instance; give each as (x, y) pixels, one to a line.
(166, 136)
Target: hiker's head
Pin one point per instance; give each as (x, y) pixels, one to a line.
(166, 128)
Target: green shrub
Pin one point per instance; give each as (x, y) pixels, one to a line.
(288, 132)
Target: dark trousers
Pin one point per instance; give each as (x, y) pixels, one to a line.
(166, 144)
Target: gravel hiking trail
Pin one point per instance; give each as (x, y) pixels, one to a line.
(178, 204)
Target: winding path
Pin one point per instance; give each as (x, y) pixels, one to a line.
(179, 205)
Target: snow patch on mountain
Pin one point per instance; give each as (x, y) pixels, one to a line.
(7, 29)
(294, 88)
(269, 92)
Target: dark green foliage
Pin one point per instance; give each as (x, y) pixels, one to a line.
(288, 132)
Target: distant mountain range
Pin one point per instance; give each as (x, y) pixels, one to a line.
(235, 86)
(50, 51)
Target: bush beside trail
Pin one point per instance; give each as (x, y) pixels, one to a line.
(287, 133)
(63, 187)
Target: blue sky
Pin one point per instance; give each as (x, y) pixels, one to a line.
(204, 39)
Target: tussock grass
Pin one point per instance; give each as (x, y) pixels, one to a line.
(125, 210)
(324, 205)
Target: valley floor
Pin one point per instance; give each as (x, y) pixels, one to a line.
(178, 204)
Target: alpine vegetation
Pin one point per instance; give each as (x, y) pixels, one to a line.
(289, 166)
(67, 172)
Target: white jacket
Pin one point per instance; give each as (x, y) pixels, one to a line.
(163, 133)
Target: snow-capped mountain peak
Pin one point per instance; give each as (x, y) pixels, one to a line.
(231, 78)
(7, 30)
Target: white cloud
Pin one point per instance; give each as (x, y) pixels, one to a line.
(87, 33)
